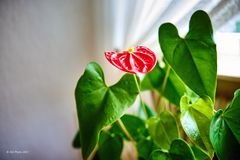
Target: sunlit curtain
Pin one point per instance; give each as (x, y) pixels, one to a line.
(120, 24)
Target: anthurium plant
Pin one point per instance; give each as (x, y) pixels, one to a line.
(194, 131)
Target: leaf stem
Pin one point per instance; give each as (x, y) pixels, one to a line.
(163, 87)
(140, 96)
(124, 129)
(92, 154)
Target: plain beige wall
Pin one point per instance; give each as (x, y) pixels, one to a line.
(44, 47)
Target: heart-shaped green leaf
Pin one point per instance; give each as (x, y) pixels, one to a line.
(163, 129)
(195, 119)
(232, 115)
(179, 150)
(174, 89)
(76, 141)
(110, 146)
(99, 105)
(134, 125)
(224, 130)
(193, 58)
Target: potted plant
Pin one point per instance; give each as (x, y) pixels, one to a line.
(188, 80)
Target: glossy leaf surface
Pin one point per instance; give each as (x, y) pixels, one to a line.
(195, 119)
(193, 58)
(224, 130)
(139, 59)
(179, 150)
(99, 105)
(174, 89)
(163, 129)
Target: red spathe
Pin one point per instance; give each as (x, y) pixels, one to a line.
(139, 59)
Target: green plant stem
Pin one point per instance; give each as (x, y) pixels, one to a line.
(140, 96)
(163, 88)
(214, 111)
(91, 156)
(124, 129)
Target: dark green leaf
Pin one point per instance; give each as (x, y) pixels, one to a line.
(222, 138)
(199, 154)
(135, 126)
(110, 146)
(195, 119)
(174, 89)
(224, 131)
(193, 58)
(145, 148)
(99, 105)
(159, 155)
(76, 141)
(163, 129)
(179, 150)
(232, 115)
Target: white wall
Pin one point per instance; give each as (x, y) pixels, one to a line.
(44, 47)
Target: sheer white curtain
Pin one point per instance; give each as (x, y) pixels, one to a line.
(120, 24)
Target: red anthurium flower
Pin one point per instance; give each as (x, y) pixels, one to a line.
(139, 59)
